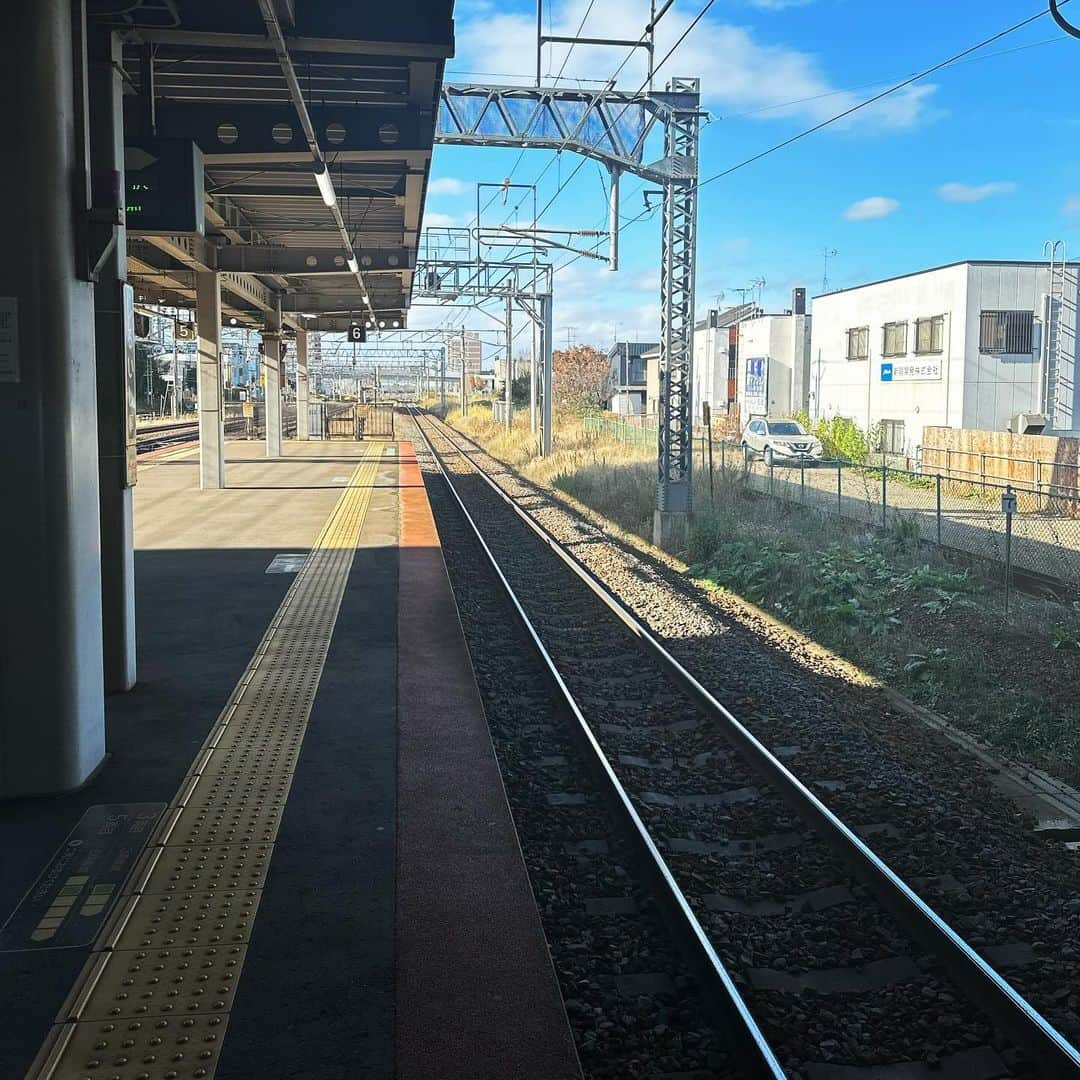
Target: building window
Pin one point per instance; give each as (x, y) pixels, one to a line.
(895, 340)
(1008, 332)
(858, 343)
(892, 436)
(929, 335)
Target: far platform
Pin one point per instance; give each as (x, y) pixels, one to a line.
(299, 850)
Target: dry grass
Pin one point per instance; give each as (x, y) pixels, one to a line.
(616, 479)
(908, 616)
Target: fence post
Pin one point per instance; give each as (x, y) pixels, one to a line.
(884, 494)
(802, 481)
(723, 464)
(948, 463)
(939, 509)
(839, 489)
(771, 468)
(982, 470)
(1008, 553)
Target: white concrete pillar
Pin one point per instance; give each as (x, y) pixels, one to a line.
(272, 354)
(302, 388)
(52, 715)
(208, 381)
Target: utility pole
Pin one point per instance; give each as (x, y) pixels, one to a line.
(509, 360)
(532, 376)
(464, 394)
(175, 376)
(569, 331)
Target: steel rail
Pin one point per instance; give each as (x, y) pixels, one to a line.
(729, 1002)
(1024, 1024)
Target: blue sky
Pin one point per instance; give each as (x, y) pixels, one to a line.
(982, 160)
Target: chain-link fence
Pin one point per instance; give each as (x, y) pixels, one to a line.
(247, 420)
(960, 514)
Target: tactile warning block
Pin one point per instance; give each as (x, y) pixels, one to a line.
(136, 983)
(281, 738)
(194, 920)
(192, 867)
(227, 824)
(154, 1048)
(243, 755)
(250, 787)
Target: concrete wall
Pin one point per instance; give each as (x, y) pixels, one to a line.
(930, 392)
(783, 342)
(997, 387)
(960, 387)
(628, 403)
(710, 369)
(652, 384)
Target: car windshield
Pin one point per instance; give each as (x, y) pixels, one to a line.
(788, 427)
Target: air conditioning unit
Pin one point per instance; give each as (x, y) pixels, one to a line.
(1027, 424)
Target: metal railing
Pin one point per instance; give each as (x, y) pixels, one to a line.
(1042, 538)
(247, 420)
(1047, 480)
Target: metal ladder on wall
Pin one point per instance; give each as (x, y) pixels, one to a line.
(1061, 331)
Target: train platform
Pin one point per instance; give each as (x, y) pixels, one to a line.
(298, 860)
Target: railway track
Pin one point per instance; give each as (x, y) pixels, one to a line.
(819, 956)
(164, 435)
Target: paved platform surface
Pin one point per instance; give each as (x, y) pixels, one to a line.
(298, 860)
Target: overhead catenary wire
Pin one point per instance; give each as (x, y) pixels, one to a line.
(667, 56)
(610, 82)
(895, 88)
(892, 89)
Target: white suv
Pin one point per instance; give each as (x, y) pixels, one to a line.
(781, 442)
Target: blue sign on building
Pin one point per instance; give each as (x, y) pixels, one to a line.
(886, 372)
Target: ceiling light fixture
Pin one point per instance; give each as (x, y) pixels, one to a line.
(326, 185)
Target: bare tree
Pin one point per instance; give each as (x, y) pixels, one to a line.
(582, 378)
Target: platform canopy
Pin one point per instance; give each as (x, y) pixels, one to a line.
(227, 76)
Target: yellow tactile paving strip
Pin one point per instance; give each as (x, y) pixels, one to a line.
(152, 1001)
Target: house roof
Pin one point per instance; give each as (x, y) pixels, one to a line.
(943, 266)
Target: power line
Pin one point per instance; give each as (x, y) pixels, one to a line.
(667, 56)
(577, 34)
(876, 98)
(956, 58)
(610, 81)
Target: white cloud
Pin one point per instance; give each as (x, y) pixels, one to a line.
(872, 209)
(448, 185)
(973, 193)
(740, 73)
(1071, 206)
(432, 218)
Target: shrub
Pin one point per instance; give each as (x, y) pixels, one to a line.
(842, 438)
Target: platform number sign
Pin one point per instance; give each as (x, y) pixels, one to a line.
(357, 334)
(1008, 502)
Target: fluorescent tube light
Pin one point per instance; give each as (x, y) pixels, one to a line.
(326, 186)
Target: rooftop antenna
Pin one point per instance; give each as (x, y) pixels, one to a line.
(758, 284)
(829, 253)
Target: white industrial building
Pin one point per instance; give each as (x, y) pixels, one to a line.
(716, 340)
(971, 344)
(774, 363)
